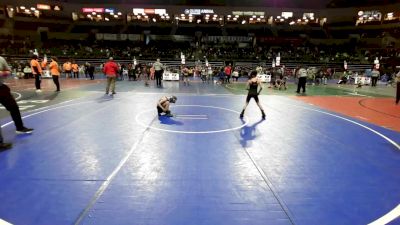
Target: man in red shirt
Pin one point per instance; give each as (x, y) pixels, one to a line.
(228, 71)
(110, 69)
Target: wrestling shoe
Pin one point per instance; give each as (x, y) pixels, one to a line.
(5, 146)
(24, 131)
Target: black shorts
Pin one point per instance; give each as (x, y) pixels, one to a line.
(249, 96)
(159, 110)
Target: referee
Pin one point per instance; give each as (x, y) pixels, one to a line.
(158, 67)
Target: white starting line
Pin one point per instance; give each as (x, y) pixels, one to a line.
(192, 117)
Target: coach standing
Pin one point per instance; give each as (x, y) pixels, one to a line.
(110, 69)
(36, 71)
(158, 68)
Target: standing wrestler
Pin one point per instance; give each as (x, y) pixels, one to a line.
(163, 105)
(254, 88)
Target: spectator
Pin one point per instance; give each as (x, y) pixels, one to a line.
(110, 69)
(228, 71)
(27, 72)
(67, 66)
(75, 69)
(91, 70)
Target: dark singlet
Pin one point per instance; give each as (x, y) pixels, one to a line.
(253, 88)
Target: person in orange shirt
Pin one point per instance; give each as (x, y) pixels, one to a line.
(75, 69)
(43, 65)
(37, 72)
(67, 69)
(55, 72)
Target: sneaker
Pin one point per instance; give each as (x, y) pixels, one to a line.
(241, 116)
(24, 131)
(38, 90)
(113, 93)
(5, 146)
(263, 115)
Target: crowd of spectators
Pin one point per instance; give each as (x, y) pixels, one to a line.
(170, 50)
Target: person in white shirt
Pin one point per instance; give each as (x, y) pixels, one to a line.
(27, 72)
(235, 75)
(301, 73)
(259, 70)
(158, 67)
